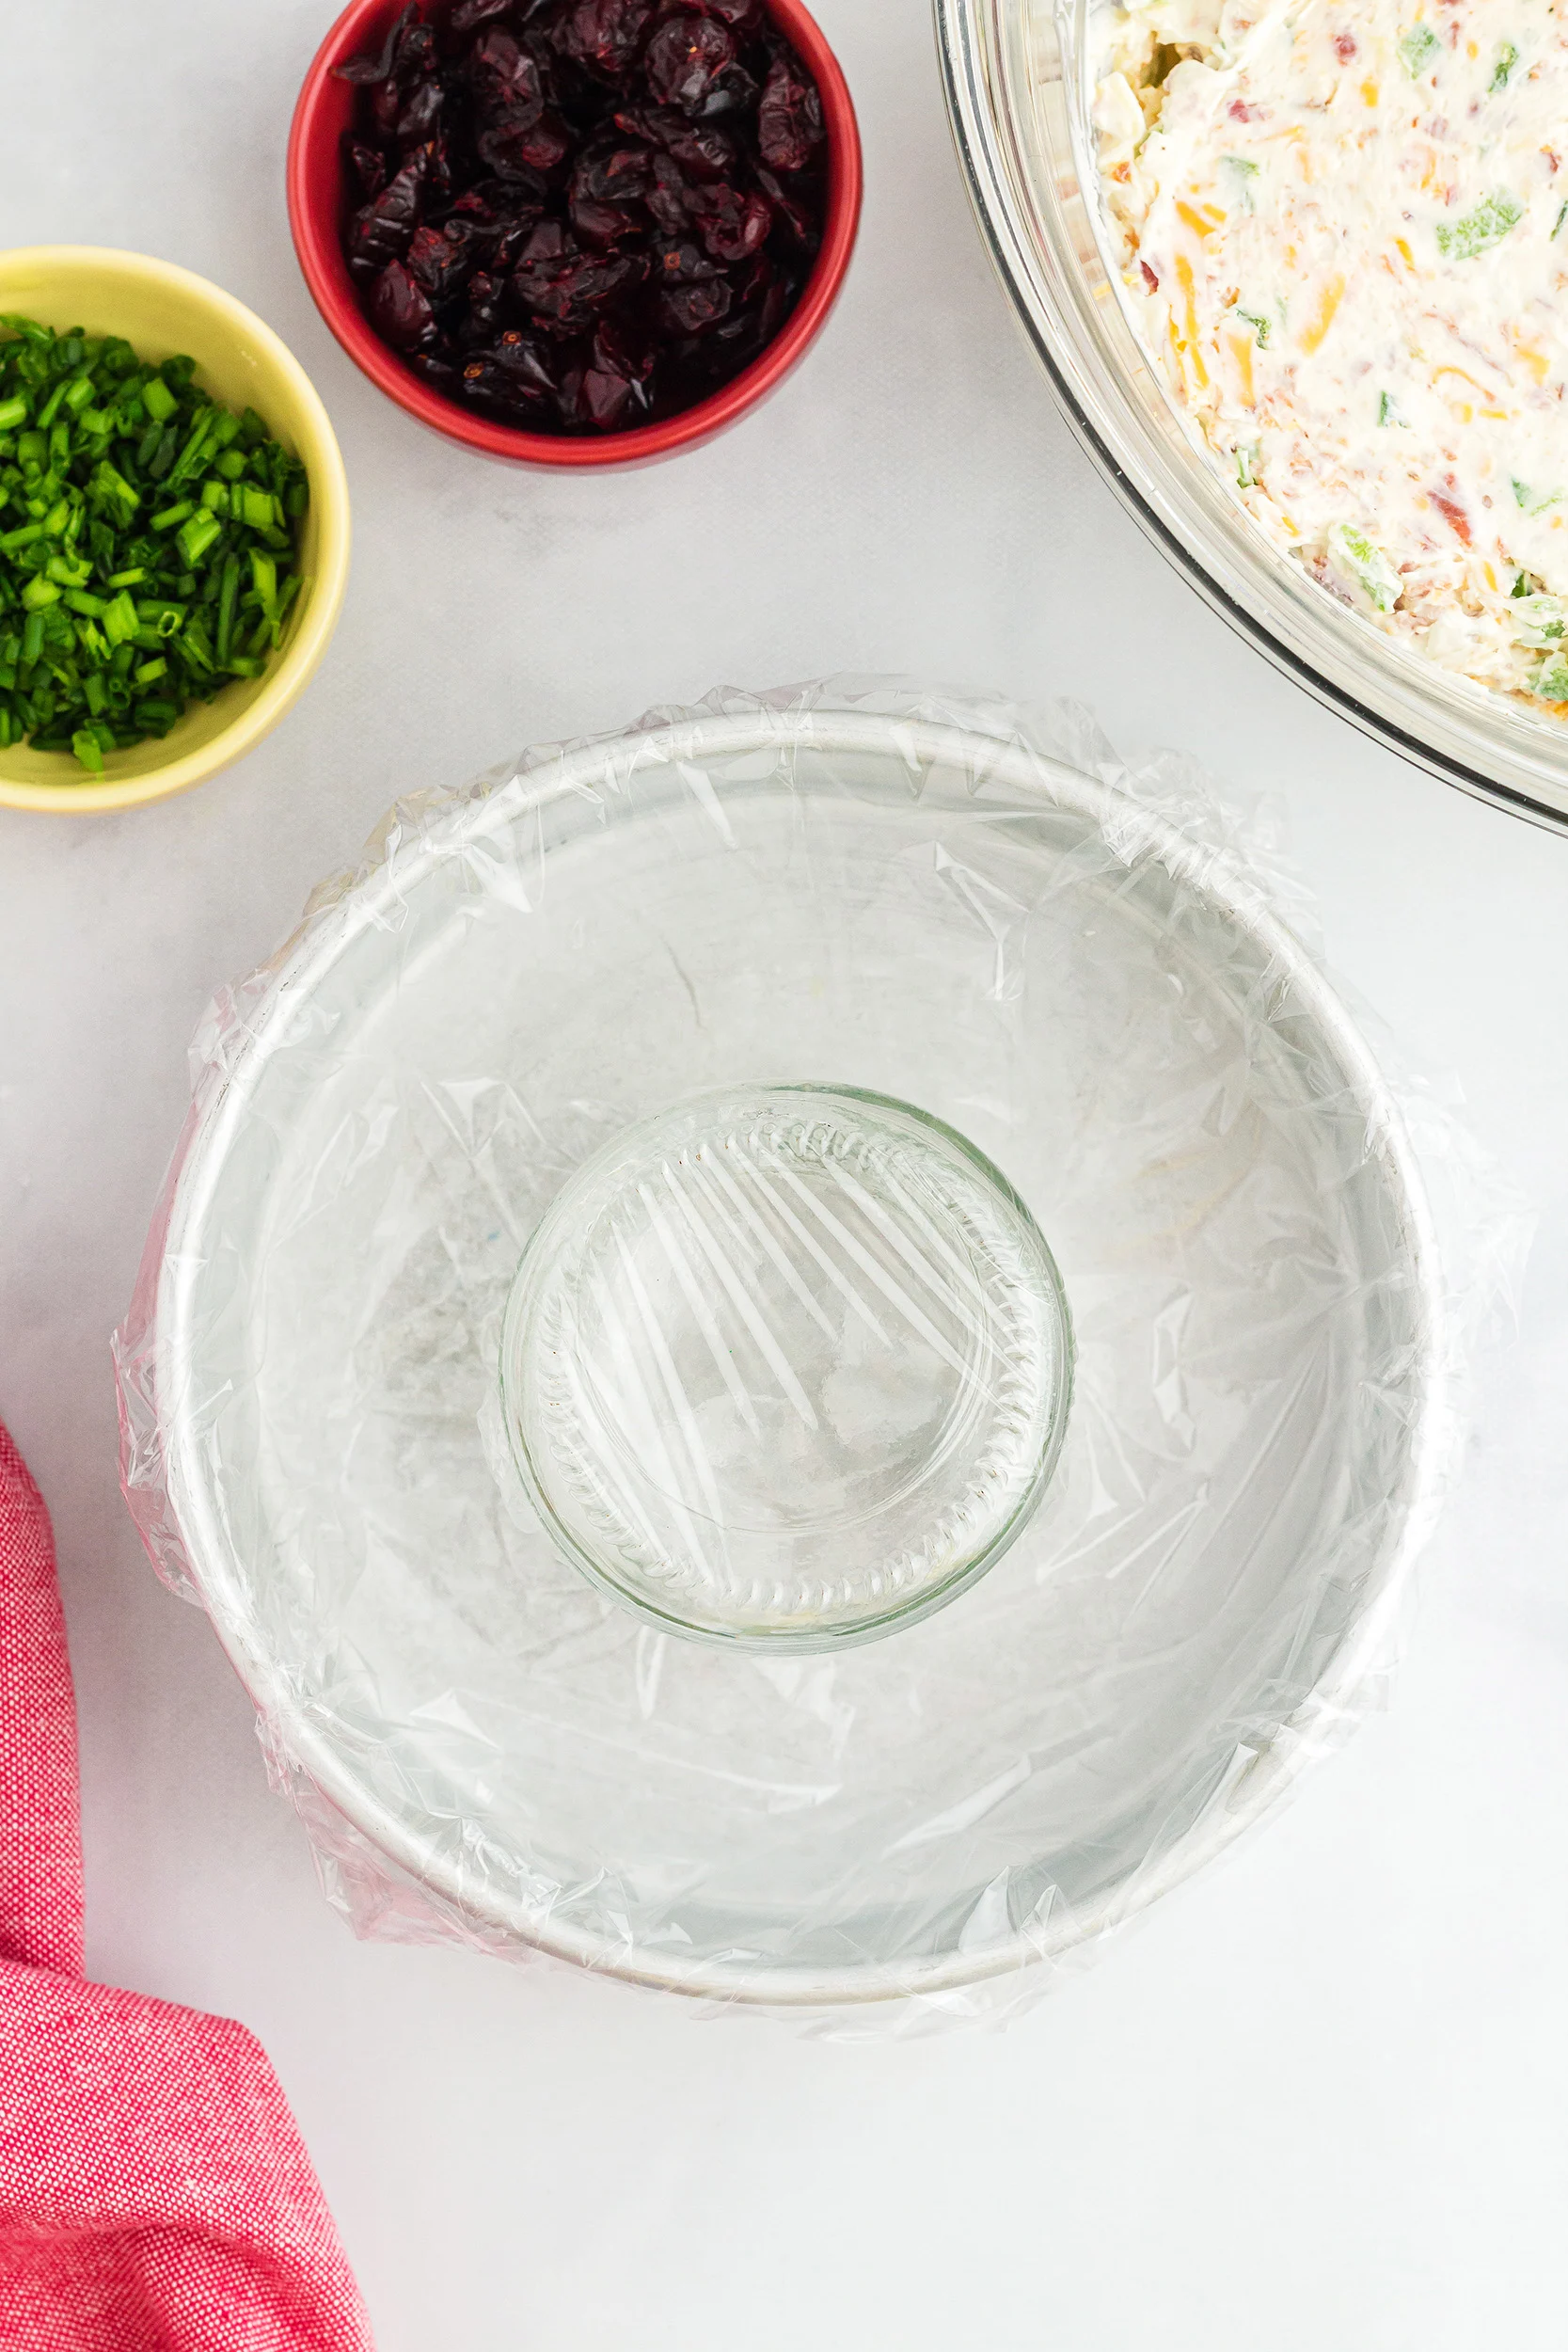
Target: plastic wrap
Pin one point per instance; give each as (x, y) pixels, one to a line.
(1099, 979)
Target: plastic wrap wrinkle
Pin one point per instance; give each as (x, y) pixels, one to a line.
(1096, 976)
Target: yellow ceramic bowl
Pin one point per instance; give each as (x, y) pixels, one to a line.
(161, 311)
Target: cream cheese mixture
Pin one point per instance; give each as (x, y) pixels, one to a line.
(1344, 235)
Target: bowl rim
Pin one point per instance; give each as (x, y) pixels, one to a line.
(1384, 690)
(318, 245)
(190, 1507)
(288, 677)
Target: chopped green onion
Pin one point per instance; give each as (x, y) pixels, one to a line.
(1508, 57)
(119, 619)
(1480, 231)
(226, 604)
(1364, 568)
(215, 569)
(1418, 47)
(196, 536)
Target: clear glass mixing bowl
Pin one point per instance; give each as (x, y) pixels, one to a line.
(1018, 78)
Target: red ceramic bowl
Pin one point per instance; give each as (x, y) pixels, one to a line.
(320, 201)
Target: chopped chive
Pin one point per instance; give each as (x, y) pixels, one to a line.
(88, 750)
(40, 593)
(158, 400)
(171, 515)
(12, 412)
(132, 578)
(150, 670)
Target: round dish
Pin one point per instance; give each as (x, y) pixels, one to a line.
(318, 203)
(1017, 74)
(787, 1366)
(161, 309)
(905, 905)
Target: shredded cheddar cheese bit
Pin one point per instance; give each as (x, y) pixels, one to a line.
(1333, 295)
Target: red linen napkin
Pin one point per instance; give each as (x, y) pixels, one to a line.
(155, 2193)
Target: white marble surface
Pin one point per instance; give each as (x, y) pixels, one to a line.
(1318, 2099)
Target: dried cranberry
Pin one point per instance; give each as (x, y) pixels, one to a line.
(436, 370)
(377, 67)
(368, 164)
(381, 230)
(399, 309)
(528, 363)
(615, 175)
(621, 349)
(516, 151)
(690, 308)
(685, 59)
(506, 78)
(416, 55)
(577, 289)
(789, 118)
(670, 199)
(682, 263)
(469, 14)
(605, 397)
(438, 261)
(602, 194)
(789, 210)
(734, 225)
(422, 111)
(486, 299)
(604, 33)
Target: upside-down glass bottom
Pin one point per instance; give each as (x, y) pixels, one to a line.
(787, 1366)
